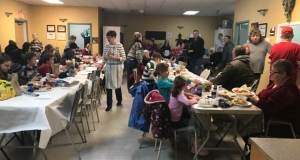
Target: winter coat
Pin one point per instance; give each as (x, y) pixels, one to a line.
(158, 109)
(136, 119)
(237, 73)
(15, 54)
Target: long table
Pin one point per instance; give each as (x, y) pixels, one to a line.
(25, 113)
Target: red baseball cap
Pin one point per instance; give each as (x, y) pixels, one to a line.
(287, 30)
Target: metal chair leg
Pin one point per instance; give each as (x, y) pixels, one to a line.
(82, 124)
(155, 144)
(159, 149)
(72, 143)
(175, 141)
(90, 108)
(267, 130)
(95, 107)
(87, 121)
(143, 136)
(75, 123)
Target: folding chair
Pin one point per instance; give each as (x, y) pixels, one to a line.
(71, 119)
(278, 121)
(205, 74)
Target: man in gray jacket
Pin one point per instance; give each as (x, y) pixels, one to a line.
(227, 53)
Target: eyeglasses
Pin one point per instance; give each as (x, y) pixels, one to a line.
(272, 72)
(108, 37)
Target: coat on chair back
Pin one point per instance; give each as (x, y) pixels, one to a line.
(159, 111)
(136, 119)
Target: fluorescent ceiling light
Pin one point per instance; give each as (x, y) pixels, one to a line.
(190, 12)
(54, 1)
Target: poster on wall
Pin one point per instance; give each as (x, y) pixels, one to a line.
(61, 36)
(169, 35)
(272, 31)
(51, 36)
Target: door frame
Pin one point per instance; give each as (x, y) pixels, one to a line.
(71, 23)
(22, 20)
(235, 36)
(278, 39)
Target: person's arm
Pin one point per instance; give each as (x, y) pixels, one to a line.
(225, 76)
(166, 84)
(277, 101)
(184, 100)
(298, 55)
(121, 54)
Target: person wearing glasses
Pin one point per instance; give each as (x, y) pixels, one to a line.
(280, 101)
(113, 57)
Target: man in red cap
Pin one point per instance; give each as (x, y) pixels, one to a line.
(288, 50)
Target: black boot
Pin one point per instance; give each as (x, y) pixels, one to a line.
(119, 103)
(108, 108)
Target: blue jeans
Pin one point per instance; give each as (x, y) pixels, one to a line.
(195, 62)
(131, 63)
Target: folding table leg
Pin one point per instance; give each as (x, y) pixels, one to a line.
(234, 139)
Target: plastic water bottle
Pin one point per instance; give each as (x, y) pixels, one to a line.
(214, 92)
(30, 86)
(199, 90)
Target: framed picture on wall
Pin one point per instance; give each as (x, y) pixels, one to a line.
(50, 28)
(61, 28)
(263, 29)
(51, 36)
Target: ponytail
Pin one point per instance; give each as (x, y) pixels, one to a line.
(179, 83)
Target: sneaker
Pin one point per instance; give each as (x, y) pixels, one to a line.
(108, 108)
(201, 153)
(119, 103)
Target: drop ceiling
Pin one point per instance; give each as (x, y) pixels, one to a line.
(152, 7)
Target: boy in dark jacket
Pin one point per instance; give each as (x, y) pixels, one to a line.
(69, 53)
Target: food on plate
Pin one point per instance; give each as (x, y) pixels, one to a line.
(48, 87)
(227, 95)
(241, 90)
(180, 68)
(239, 102)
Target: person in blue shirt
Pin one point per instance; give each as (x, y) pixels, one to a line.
(165, 84)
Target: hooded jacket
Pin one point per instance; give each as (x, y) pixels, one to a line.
(237, 73)
(159, 111)
(68, 54)
(136, 119)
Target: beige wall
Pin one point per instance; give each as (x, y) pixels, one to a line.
(142, 23)
(7, 24)
(50, 15)
(247, 10)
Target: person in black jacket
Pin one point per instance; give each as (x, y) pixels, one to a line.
(166, 50)
(48, 49)
(14, 53)
(196, 52)
(69, 53)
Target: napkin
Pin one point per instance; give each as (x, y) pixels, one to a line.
(45, 97)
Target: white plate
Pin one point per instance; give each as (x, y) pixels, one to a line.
(240, 105)
(243, 94)
(43, 90)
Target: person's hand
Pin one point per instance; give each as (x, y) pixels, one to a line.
(193, 100)
(254, 99)
(216, 68)
(36, 78)
(190, 51)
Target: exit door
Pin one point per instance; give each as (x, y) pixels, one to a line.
(21, 32)
(241, 33)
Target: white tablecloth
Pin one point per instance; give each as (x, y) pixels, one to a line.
(48, 115)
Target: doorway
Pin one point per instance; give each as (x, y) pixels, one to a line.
(82, 31)
(21, 32)
(241, 33)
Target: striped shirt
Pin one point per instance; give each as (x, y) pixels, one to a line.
(36, 46)
(136, 51)
(149, 69)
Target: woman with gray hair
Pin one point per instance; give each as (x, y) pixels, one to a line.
(281, 99)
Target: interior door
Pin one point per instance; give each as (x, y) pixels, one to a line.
(19, 34)
(241, 33)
